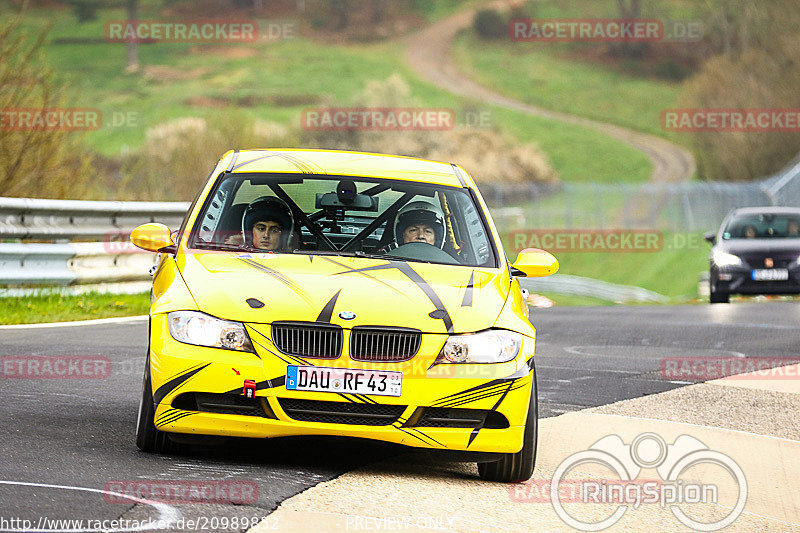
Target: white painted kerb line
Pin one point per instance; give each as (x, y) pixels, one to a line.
(167, 515)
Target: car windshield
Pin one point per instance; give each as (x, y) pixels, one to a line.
(763, 226)
(343, 215)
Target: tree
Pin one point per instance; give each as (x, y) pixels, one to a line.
(43, 162)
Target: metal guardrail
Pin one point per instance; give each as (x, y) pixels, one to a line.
(603, 290)
(31, 218)
(64, 263)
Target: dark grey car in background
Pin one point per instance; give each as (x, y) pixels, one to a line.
(756, 251)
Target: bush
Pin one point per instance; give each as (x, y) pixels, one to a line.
(489, 155)
(177, 155)
(670, 70)
(490, 24)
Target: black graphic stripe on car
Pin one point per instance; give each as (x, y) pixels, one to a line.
(467, 301)
(419, 281)
(327, 311)
(293, 285)
(477, 389)
(474, 432)
(174, 383)
(472, 399)
(351, 270)
(174, 419)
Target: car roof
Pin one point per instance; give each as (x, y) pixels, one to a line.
(776, 210)
(342, 163)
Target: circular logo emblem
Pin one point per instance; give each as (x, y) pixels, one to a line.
(347, 315)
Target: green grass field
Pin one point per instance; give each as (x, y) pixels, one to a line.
(61, 307)
(672, 271)
(553, 75)
(275, 82)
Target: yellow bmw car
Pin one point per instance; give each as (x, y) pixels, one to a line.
(314, 292)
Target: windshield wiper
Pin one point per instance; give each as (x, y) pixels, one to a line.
(225, 247)
(341, 253)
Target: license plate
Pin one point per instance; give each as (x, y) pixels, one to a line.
(770, 274)
(344, 380)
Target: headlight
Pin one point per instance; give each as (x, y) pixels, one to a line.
(193, 327)
(490, 346)
(724, 259)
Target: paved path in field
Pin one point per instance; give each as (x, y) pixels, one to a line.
(428, 53)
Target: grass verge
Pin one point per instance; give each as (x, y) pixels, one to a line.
(275, 82)
(43, 308)
(578, 78)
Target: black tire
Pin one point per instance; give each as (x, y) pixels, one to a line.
(148, 438)
(517, 467)
(719, 297)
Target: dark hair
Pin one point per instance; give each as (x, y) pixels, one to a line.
(269, 208)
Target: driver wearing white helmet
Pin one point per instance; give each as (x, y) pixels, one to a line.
(419, 221)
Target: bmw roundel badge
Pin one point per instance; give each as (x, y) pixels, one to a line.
(347, 315)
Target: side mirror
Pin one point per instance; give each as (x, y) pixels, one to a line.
(534, 263)
(711, 237)
(153, 238)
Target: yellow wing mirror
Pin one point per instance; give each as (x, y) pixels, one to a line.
(534, 263)
(152, 237)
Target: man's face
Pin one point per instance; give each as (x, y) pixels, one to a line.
(792, 228)
(267, 235)
(419, 233)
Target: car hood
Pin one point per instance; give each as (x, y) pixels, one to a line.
(431, 298)
(749, 246)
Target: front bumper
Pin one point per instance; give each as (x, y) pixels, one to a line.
(738, 280)
(180, 372)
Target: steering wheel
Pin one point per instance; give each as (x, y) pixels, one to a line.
(422, 251)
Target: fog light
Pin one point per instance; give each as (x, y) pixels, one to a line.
(725, 277)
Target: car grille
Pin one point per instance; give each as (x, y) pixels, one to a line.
(341, 412)
(323, 341)
(780, 260)
(384, 344)
(228, 404)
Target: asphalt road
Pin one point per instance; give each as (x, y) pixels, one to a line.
(78, 435)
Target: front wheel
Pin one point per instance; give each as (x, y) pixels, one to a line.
(148, 438)
(719, 297)
(516, 467)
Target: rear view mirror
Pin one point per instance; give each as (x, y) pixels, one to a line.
(359, 202)
(152, 237)
(711, 237)
(534, 263)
